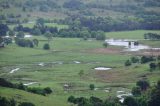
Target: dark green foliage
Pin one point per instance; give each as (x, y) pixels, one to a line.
(36, 42)
(11, 33)
(145, 59)
(96, 101)
(46, 46)
(20, 34)
(136, 91)
(6, 83)
(143, 84)
(5, 102)
(152, 66)
(24, 43)
(48, 90)
(100, 35)
(130, 101)
(154, 99)
(152, 36)
(3, 29)
(158, 58)
(26, 104)
(71, 99)
(128, 63)
(134, 59)
(74, 4)
(91, 86)
(105, 44)
(37, 90)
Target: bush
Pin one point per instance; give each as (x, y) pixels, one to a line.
(152, 66)
(136, 91)
(134, 59)
(46, 46)
(128, 63)
(143, 84)
(71, 99)
(91, 86)
(105, 44)
(48, 90)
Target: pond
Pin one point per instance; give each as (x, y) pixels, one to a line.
(128, 44)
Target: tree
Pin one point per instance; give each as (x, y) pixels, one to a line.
(71, 99)
(134, 59)
(36, 42)
(105, 44)
(48, 90)
(20, 34)
(100, 35)
(158, 65)
(136, 91)
(81, 72)
(128, 63)
(46, 46)
(40, 21)
(143, 84)
(152, 66)
(91, 86)
(155, 96)
(3, 29)
(130, 101)
(48, 35)
(11, 33)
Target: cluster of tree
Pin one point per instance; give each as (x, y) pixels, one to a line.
(26, 42)
(3, 29)
(40, 28)
(41, 91)
(43, 6)
(111, 24)
(132, 60)
(143, 95)
(74, 5)
(11, 102)
(92, 101)
(142, 60)
(152, 36)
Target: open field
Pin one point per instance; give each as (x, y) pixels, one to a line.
(60, 67)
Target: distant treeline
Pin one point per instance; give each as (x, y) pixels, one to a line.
(110, 24)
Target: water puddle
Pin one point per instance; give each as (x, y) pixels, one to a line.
(14, 70)
(27, 36)
(102, 68)
(77, 62)
(128, 44)
(122, 94)
(31, 83)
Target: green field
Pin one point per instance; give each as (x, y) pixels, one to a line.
(60, 68)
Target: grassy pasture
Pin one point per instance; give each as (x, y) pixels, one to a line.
(55, 75)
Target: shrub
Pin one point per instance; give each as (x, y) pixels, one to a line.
(46, 46)
(128, 63)
(48, 90)
(91, 86)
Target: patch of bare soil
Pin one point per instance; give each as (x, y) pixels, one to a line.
(149, 52)
(108, 51)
